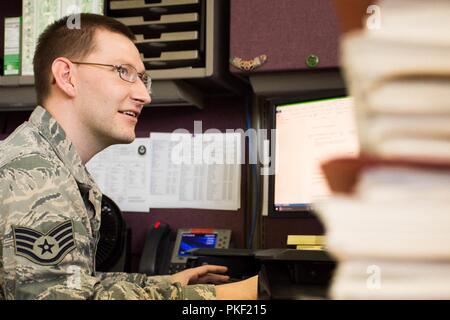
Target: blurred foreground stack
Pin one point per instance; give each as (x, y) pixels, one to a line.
(388, 223)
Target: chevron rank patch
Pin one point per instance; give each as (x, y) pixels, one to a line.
(44, 249)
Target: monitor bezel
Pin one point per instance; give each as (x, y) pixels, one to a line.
(271, 105)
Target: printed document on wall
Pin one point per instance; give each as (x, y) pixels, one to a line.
(122, 172)
(200, 171)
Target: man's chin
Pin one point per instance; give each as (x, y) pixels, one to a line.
(123, 139)
(127, 140)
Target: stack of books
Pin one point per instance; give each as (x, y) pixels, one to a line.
(388, 223)
(399, 76)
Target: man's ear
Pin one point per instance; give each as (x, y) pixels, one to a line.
(63, 76)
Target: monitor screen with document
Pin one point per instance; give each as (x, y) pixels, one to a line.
(308, 133)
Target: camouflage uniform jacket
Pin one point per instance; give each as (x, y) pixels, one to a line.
(49, 225)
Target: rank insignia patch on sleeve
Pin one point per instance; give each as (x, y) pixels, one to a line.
(44, 249)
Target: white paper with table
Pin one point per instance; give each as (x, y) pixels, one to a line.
(200, 171)
(122, 172)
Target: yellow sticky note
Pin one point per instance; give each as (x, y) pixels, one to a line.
(305, 240)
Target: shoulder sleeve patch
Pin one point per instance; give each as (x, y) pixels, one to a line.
(44, 249)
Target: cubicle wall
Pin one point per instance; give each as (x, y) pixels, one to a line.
(221, 114)
(230, 113)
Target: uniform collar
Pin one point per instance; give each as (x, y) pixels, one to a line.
(64, 148)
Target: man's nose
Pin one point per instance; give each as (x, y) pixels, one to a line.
(141, 93)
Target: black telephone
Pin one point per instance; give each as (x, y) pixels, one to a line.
(154, 257)
(162, 255)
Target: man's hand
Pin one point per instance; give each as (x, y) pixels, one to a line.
(201, 275)
(242, 290)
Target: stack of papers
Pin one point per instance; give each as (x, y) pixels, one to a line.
(396, 220)
(400, 78)
(390, 232)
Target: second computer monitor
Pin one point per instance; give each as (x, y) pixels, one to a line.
(309, 133)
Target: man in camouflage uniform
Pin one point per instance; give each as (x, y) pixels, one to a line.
(49, 204)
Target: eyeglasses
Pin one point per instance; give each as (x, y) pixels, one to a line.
(126, 72)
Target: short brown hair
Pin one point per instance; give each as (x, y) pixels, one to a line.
(58, 40)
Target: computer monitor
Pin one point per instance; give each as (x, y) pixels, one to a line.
(309, 131)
